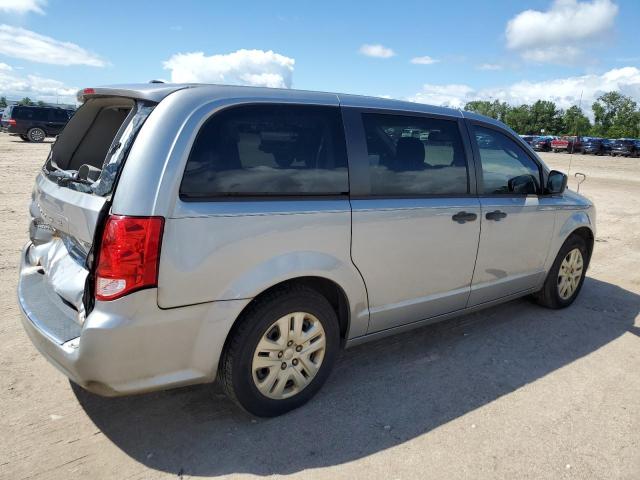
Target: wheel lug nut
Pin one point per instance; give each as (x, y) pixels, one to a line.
(279, 354)
(290, 343)
(284, 365)
(298, 348)
(295, 361)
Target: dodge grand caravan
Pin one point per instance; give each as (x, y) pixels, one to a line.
(183, 233)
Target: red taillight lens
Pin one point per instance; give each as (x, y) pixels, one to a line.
(129, 256)
(12, 122)
(88, 91)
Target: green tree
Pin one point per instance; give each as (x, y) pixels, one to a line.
(616, 116)
(25, 101)
(3, 101)
(495, 109)
(543, 115)
(41, 103)
(575, 122)
(519, 119)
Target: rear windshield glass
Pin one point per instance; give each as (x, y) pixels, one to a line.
(268, 150)
(90, 151)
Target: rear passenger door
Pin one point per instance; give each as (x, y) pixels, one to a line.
(415, 224)
(517, 222)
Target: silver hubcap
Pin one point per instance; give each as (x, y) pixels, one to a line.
(288, 355)
(570, 274)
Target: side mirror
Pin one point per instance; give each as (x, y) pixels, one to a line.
(557, 182)
(523, 184)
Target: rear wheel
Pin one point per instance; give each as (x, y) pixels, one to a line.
(281, 352)
(36, 135)
(566, 276)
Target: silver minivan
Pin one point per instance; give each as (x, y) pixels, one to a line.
(183, 233)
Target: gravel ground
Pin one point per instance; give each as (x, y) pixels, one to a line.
(515, 391)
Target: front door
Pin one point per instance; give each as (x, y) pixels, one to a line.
(415, 217)
(516, 222)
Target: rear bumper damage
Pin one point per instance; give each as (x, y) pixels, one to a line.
(128, 345)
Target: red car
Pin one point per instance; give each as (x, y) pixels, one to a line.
(567, 144)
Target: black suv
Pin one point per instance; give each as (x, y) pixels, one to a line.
(625, 147)
(34, 124)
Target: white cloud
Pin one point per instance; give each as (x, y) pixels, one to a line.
(489, 66)
(37, 88)
(560, 33)
(452, 95)
(376, 50)
(22, 6)
(27, 45)
(565, 92)
(4, 67)
(426, 60)
(243, 67)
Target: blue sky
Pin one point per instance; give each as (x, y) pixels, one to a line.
(512, 50)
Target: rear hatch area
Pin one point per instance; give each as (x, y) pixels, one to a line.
(70, 200)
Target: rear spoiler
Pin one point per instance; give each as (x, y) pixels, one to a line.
(154, 92)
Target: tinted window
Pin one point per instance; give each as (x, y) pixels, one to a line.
(414, 156)
(268, 150)
(59, 115)
(30, 113)
(503, 160)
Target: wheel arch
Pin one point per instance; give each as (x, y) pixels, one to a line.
(578, 223)
(329, 289)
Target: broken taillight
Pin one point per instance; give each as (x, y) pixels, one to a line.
(129, 256)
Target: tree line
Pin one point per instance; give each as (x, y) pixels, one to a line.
(24, 101)
(615, 116)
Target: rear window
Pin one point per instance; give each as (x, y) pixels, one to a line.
(268, 150)
(93, 146)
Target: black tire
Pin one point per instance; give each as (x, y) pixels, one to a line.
(36, 135)
(549, 296)
(234, 371)
(24, 138)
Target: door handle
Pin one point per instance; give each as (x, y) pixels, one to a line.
(462, 217)
(496, 215)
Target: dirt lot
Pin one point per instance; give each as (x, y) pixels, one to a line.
(512, 392)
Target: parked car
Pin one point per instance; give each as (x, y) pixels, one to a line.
(569, 144)
(34, 124)
(593, 146)
(542, 144)
(529, 138)
(625, 147)
(168, 248)
(607, 145)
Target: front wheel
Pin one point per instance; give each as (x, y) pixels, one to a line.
(281, 351)
(566, 276)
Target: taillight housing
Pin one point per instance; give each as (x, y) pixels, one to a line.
(11, 122)
(129, 256)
